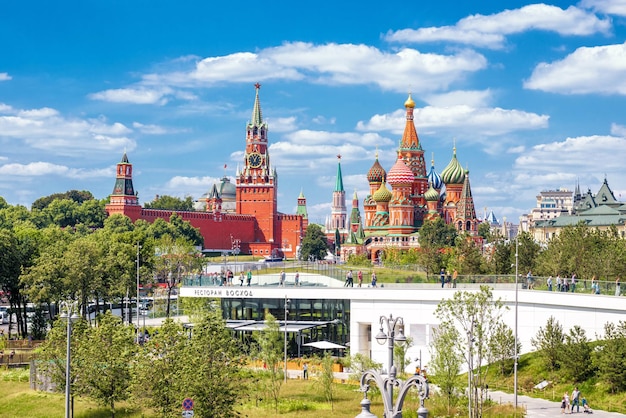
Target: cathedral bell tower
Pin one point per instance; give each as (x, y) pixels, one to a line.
(257, 180)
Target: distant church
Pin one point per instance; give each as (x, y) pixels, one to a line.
(242, 216)
(393, 217)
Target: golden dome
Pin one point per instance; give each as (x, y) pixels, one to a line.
(409, 102)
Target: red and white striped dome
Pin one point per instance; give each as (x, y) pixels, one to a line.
(400, 173)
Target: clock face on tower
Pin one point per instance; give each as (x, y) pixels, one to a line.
(254, 160)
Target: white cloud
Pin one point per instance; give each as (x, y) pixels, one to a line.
(155, 129)
(612, 7)
(489, 31)
(473, 98)
(46, 129)
(618, 130)
(312, 138)
(322, 120)
(481, 121)
(600, 69)
(41, 168)
(566, 162)
(133, 95)
(183, 186)
(5, 77)
(331, 64)
(282, 124)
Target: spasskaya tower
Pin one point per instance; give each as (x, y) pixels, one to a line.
(257, 180)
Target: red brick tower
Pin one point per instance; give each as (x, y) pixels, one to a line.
(256, 182)
(124, 200)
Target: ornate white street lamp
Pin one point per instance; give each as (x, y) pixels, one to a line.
(386, 384)
(69, 311)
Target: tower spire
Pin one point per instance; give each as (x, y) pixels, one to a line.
(339, 182)
(257, 116)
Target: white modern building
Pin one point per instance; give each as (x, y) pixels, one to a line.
(350, 316)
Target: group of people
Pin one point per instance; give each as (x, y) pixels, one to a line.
(576, 400)
(448, 279)
(283, 278)
(563, 284)
(359, 275)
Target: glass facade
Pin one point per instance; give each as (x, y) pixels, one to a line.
(320, 319)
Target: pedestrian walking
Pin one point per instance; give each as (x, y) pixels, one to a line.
(248, 277)
(297, 279)
(549, 283)
(282, 278)
(573, 282)
(359, 277)
(374, 279)
(442, 277)
(349, 281)
(576, 400)
(305, 371)
(618, 290)
(455, 275)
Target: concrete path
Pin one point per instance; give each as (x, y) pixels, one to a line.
(539, 408)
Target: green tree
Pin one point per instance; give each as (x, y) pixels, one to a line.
(166, 202)
(105, 354)
(549, 343)
(435, 239)
(484, 231)
(576, 356)
(73, 195)
(177, 258)
(445, 363)
(52, 353)
(314, 244)
(399, 354)
(610, 357)
(360, 363)
(269, 350)
(326, 380)
(10, 266)
(502, 348)
(478, 316)
(468, 257)
(501, 256)
(158, 381)
(213, 369)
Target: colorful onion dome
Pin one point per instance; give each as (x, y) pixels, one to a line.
(400, 173)
(409, 102)
(382, 194)
(453, 173)
(434, 178)
(431, 194)
(377, 173)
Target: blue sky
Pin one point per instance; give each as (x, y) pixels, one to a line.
(533, 94)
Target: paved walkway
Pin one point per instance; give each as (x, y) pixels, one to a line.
(538, 408)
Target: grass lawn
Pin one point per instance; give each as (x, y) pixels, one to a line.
(298, 398)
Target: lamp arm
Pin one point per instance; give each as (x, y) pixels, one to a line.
(417, 381)
(372, 375)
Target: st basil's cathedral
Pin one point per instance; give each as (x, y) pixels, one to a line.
(392, 218)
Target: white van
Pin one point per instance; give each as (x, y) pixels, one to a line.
(4, 315)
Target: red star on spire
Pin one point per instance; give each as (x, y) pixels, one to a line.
(339, 156)
(257, 86)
